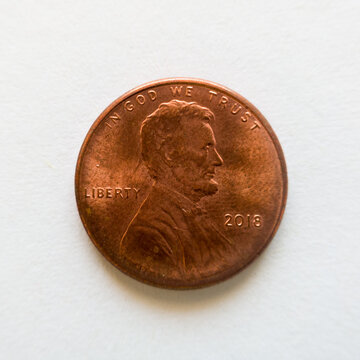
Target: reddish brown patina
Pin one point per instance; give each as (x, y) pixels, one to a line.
(181, 183)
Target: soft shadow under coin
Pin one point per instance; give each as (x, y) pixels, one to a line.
(183, 300)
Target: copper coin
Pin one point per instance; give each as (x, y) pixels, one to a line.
(181, 183)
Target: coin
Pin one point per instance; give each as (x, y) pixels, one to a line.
(181, 183)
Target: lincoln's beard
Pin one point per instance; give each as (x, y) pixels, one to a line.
(205, 187)
(195, 187)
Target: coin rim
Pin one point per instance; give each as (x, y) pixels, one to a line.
(214, 279)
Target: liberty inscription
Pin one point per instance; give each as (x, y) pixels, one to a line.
(110, 192)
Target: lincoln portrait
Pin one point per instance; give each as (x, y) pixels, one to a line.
(171, 233)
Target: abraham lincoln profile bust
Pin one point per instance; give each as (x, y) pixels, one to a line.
(170, 233)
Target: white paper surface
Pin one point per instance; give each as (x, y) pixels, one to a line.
(63, 62)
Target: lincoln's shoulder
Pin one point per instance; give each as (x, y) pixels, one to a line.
(154, 226)
(161, 205)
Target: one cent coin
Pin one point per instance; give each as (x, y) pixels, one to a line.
(181, 183)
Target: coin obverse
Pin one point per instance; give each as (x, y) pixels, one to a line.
(181, 183)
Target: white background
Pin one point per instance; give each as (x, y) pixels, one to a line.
(63, 62)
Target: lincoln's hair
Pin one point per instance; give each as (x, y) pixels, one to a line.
(164, 127)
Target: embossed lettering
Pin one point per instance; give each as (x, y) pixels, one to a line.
(247, 221)
(115, 117)
(228, 218)
(212, 93)
(176, 90)
(118, 192)
(188, 90)
(223, 101)
(257, 221)
(256, 125)
(152, 94)
(235, 108)
(140, 99)
(127, 192)
(246, 116)
(112, 193)
(238, 219)
(136, 192)
(129, 106)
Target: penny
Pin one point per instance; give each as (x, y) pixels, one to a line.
(181, 183)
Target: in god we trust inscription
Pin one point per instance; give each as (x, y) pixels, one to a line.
(181, 183)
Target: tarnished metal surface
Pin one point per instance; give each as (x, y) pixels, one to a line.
(181, 183)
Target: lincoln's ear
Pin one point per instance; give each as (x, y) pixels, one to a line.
(169, 154)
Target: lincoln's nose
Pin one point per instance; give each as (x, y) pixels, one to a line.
(218, 161)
